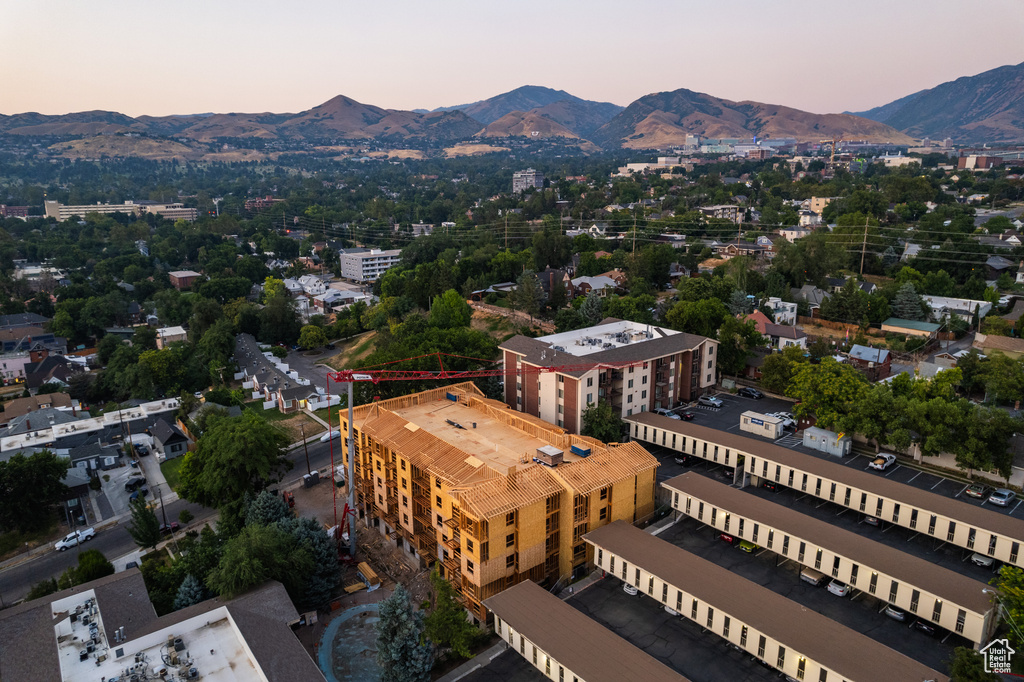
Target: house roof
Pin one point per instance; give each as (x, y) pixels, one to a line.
(868, 354)
(20, 406)
(598, 282)
(810, 293)
(22, 320)
(164, 432)
(783, 331)
(40, 419)
(760, 320)
(791, 624)
(1006, 344)
(912, 324)
(586, 648)
(999, 263)
(183, 273)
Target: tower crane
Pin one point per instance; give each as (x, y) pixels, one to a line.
(377, 375)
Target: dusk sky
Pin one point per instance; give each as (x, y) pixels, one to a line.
(193, 56)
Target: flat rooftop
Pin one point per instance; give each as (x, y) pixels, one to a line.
(802, 630)
(491, 441)
(585, 647)
(582, 342)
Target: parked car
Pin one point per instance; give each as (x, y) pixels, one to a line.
(141, 492)
(770, 485)
(140, 449)
(883, 461)
(166, 529)
(785, 415)
(330, 346)
(133, 483)
(727, 473)
(839, 589)
(710, 401)
(787, 422)
(748, 546)
(982, 560)
(1002, 497)
(666, 413)
(686, 416)
(131, 564)
(671, 611)
(725, 537)
(685, 460)
(925, 627)
(895, 612)
(978, 491)
(334, 433)
(750, 392)
(73, 538)
(872, 521)
(630, 589)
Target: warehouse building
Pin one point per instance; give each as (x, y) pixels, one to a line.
(948, 599)
(566, 645)
(799, 642)
(945, 519)
(495, 496)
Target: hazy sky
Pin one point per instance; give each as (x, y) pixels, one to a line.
(192, 56)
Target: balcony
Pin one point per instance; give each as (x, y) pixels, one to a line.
(452, 567)
(453, 522)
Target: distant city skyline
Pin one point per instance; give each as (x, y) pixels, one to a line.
(263, 56)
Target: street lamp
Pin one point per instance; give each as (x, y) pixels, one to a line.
(1009, 618)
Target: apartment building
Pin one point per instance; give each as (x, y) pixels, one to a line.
(649, 368)
(171, 211)
(493, 496)
(527, 179)
(798, 642)
(975, 529)
(183, 279)
(566, 645)
(729, 212)
(367, 265)
(950, 600)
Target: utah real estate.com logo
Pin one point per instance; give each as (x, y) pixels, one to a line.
(997, 656)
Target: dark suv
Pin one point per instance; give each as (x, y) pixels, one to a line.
(134, 483)
(748, 392)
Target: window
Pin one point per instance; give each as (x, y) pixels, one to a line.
(760, 647)
(604, 493)
(753, 537)
(590, 399)
(743, 636)
(469, 566)
(913, 519)
(510, 539)
(893, 590)
(637, 577)
(853, 574)
(937, 611)
(700, 511)
(679, 600)
(405, 484)
(896, 513)
(403, 464)
(846, 503)
(510, 561)
(547, 665)
(590, 382)
(740, 529)
(785, 545)
(970, 538)
(611, 564)
(693, 610)
(725, 627)
(522, 646)
(561, 409)
(817, 488)
(604, 513)
(771, 538)
(961, 617)
(835, 567)
(915, 597)
(952, 531)
(711, 617)
(931, 525)
(878, 508)
(630, 381)
(439, 502)
(510, 518)
(664, 592)
(1014, 549)
(405, 501)
(874, 582)
(440, 520)
(643, 394)
(561, 393)
(800, 554)
(801, 664)
(535, 655)
(832, 493)
(469, 545)
(991, 545)
(782, 657)
(714, 514)
(823, 675)
(377, 462)
(817, 560)
(437, 483)
(644, 380)
(650, 586)
(405, 519)
(629, 398)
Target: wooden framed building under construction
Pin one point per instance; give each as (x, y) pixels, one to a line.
(493, 495)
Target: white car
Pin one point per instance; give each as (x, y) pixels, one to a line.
(330, 435)
(839, 589)
(883, 461)
(710, 401)
(630, 589)
(73, 538)
(787, 421)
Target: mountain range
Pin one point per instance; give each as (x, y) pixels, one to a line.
(988, 107)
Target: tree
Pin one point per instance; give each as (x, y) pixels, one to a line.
(266, 509)
(528, 294)
(320, 582)
(144, 527)
(1003, 377)
(41, 589)
(739, 303)
(908, 305)
(698, 317)
(450, 310)
(1009, 585)
(601, 422)
(446, 624)
(591, 309)
(967, 665)
(312, 336)
(828, 391)
(235, 456)
(258, 554)
(91, 566)
(29, 488)
(278, 321)
(190, 593)
(736, 341)
(778, 369)
(402, 656)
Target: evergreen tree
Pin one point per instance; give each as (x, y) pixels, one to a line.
(266, 509)
(191, 592)
(446, 625)
(908, 305)
(401, 653)
(739, 303)
(144, 527)
(591, 309)
(325, 576)
(528, 294)
(601, 422)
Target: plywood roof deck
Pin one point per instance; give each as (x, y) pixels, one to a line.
(493, 442)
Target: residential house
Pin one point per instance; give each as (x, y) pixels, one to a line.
(12, 367)
(293, 287)
(809, 219)
(818, 204)
(759, 319)
(312, 285)
(37, 420)
(783, 336)
(22, 406)
(51, 369)
(22, 321)
(867, 287)
(581, 286)
(812, 296)
(618, 275)
(294, 398)
(738, 247)
(791, 234)
(783, 312)
(597, 230)
(996, 265)
(943, 306)
(22, 339)
(549, 276)
(1004, 241)
(93, 457)
(874, 363)
(1007, 345)
(169, 441)
(183, 279)
(910, 250)
(165, 336)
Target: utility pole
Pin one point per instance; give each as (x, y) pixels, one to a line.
(506, 231)
(864, 247)
(302, 430)
(634, 232)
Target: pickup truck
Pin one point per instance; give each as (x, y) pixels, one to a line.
(73, 538)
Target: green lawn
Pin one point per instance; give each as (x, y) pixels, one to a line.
(170, 468)
(333, 421)
(272, 415)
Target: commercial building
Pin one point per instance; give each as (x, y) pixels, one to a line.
(948, 599)
(800, 642)
(566, 645)
(171, 211)
(367, 265)
(652, 367)
(107, 629)
(527, 179)
(494, 496)
(942, 518)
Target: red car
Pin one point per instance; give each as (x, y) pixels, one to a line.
(686, 416)
(727, 538)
